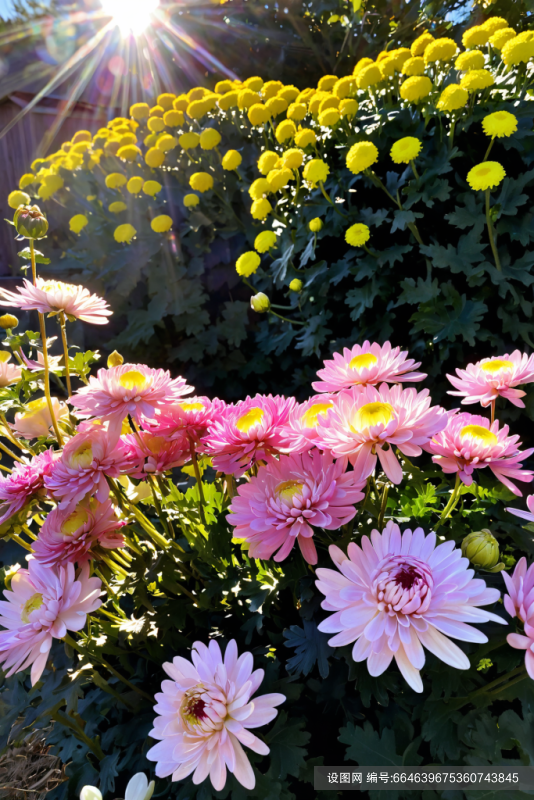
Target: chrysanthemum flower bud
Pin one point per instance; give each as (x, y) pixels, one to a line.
(115, 359)
(296, 285)
(30, 222)
(90, 793)
(260, 303)
(8, 321)
(482, 550)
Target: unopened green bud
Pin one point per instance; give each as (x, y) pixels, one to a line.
(30, 222)
(260, 303)
(296, 285)
(8, 321)
(115, 359)
(482, 550)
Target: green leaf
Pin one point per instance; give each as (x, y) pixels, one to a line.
(367, 748)
(39, 257)
(287, 743)
(311, 647)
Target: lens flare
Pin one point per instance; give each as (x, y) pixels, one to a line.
(131, 17)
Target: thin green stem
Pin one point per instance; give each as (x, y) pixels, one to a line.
(489, 148)
(329, 199)
(491, 233)
(451, 134)
(383, 506)
(455, 496)
(19, 540)
(159, 509)
(194, 461)
(63, 326)
(412, 164)
(493, 402)
(10, 453)
(68, 722)
(285, 319)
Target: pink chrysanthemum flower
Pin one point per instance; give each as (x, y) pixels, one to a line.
(206, 712)
(367, 364)
(25, 483)
(35, 420)
(525, 642)
(250, 431)
(279, 506)
(484, 381)
(398, 593)
(43, 604)
(519, 602)
(366, 422)
(51, 297)
(133, 389)
(189, 418)
(152, 455)
(9, 373)
(470, 442)
(301, 429)
(71, 536)
(84, 464)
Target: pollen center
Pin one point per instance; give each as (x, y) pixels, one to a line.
(133, 380)
(192, 406)
(74, 521)
(373, 414)
(363, 361)
(496, 364)
(310, 418)
(287, 490)
(32, 604)
(251, 418)
(82, 457)
(479, 433)
(192, 709)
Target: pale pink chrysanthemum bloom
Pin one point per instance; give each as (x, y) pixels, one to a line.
(525, 642)
(190, 418)
(490, 378)
(366, 423)
(35, 420)
(9, 373)
(54, 362)
(398, 593)
(471, 442)
(43, 604)
(205, 715)
(71, 535)
(147, 454)
(130, 389)
(25, 483)
(519, 602)
(85, 462)
(250, 431)
(301, 430)
(367, 365)
(280, 505)
(51, 297)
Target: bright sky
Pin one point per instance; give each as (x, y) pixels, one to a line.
(5, 8)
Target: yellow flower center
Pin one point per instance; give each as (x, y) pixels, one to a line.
(74, 521)
(251, 418)
(310, 418)
(372, 414)
(32, 604)
(496, 365)
(155, 443)
(34, 407)
(483, 171)
(82, 457)
(58, 286)
(287, 490)
(192, 406)
(363, 361)
(479, 433)
(4, 355)
(133, 379)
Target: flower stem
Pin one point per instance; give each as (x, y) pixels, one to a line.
(10, 453)
(329, 200)
(159, 510)
(63, 327)
(285, 319)
(493, 402)
(412, 164)
(455, 496)
(489, 148)
(383, 506)
(19, 540)
(194, 461)
(490, 232)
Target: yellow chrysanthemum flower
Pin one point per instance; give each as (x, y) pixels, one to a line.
(124, 233)
(78, 222)
(278, 179)
(255, 83)
(261, 208)
(231, 160)
(155, 124)
(327, 82)
(499, 124)
(201, 182)
(247, 98)
(190, 140)
(357, 235)
(477, 79)
(518, 50)
(173, 119)
(154, 158)
(166, 100)
(487, 175)
(406, 149)
(473, 59)
(368, 76)
(191, 200)
(50, 185)
(247, 263)
(413, 66)
(315, 225)
(440, 50)
(499, 39)
(117, 207)
(329, 118)
(223, 86)
(135, 184)
(285, 130)
(348, 107)
(363, 62)
(305, 137)
(166, 142)
(421, 43)
(316, 171)
(452, 98)
(416, 88)
(344, 87)
(259, 188)
(295, 285)
(161, 223)
(152, 188)
(361, 156)
(297, 111)
(258, 115)
(26, 180)
(292, 158)
(209, 139)
(330, 101)
(264, 241)
(271, 88)
(18, 198)
(197, 109)
(493, 24)
(129, 153)
(228, 100)
(475, 36)
(268, 161)
(289, 93)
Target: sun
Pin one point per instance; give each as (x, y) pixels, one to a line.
(131, 16)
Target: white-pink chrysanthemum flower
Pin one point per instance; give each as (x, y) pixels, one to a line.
(54, 362)
(280, 505)
(130, 389)
(206, 712)
(51, 297)
(23, 484)
(189, 418)
(147, 454)
(9, 373)
(484, 381)
(301, 429)
(35, 420)
(43, 604)
(85, 462)
(398, 593)
(525, 642)
(366, 422)
(71, 535)
(519, 602)
(250, 431)
(367, 364)
(470, 442)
